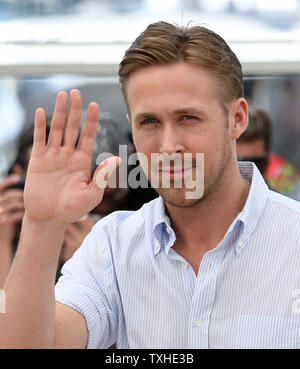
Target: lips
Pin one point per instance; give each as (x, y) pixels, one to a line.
(175, 172)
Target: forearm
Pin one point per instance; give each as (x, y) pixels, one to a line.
(30, 303)
(5, 259)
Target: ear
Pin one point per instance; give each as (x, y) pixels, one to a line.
(239, 118)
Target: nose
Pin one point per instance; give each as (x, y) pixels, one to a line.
(171, 140)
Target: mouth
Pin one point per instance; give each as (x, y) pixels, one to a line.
(175, 172)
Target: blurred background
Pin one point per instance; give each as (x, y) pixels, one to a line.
(49, 45)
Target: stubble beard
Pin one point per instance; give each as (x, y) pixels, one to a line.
(213, 184)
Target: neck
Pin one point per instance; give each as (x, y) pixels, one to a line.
(207, 222)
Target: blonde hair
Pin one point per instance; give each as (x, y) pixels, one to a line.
(164, 43)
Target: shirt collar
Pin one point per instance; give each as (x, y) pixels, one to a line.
(161, 224)
(246, 220)
(255, 203)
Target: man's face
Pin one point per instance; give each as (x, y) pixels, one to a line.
(176, 109)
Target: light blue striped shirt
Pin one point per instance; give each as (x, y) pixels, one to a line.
(135, 290)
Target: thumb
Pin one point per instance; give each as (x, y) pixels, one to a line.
(105, 170)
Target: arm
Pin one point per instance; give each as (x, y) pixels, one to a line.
(58, 191)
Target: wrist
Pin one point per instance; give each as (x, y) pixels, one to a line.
(41, 240)
(50, 225)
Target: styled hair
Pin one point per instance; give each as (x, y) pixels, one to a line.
(163, 43)
(259, 127)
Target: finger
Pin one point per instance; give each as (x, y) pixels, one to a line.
(10, 196)
(11, 218)
(84, 218)
(11, 208)
(58, 120)
(80, 223)
(71, 231)
(39, 133)
(71, 243)
(68, 250)
(86, 223)
(67, 239)
(89, 131)
(9, 181)
(73, 120)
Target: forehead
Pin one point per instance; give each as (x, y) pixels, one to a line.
(184, 82)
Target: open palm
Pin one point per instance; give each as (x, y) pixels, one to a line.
(58, 184)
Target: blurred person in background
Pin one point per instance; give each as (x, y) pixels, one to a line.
(255, 145)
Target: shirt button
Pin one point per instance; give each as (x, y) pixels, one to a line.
(169, 230)
(240, 243)
(185, 266)
(198, 323)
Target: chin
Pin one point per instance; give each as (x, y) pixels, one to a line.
(178, 197)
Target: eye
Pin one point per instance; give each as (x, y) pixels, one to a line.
(189, 117)
(149, 121)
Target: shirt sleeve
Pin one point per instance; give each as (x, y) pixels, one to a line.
(88, 285)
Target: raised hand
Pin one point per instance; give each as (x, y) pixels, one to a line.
(59, 186)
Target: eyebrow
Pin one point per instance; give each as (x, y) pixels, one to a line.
(142, 116)
(188, 111)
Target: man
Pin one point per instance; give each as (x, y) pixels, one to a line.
(220, 270)
(255, 145)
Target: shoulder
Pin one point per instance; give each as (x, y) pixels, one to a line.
(284, 202)
(282, 216)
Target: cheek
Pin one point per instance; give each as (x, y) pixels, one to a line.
(201, 143)
(145, 142)
(216, 148)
